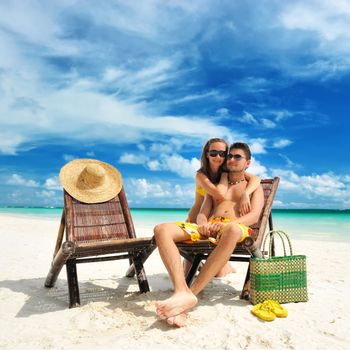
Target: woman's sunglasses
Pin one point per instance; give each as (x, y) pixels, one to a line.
(214, 153)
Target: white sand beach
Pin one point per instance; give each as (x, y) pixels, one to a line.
(113, 315)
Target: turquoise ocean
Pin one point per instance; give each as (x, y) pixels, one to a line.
(321, 225)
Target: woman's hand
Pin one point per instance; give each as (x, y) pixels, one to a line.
(210, 229)
(204, 229)
(244, 205)
(215, 228)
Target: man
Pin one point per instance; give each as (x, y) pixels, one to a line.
(224, 227)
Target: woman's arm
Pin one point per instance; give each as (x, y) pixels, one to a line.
(216, 191)
(192, 214)
(253, 184)
(257, 204)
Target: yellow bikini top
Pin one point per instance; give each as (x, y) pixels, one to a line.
(200, 191)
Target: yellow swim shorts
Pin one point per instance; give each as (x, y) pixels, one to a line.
(192, 229)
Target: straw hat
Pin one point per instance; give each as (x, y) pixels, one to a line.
(90, 180)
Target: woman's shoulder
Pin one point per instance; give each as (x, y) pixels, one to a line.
(200, 177)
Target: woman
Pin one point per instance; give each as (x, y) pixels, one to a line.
(212, 180)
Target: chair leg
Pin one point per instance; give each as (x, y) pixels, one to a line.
(73, 287)
(144, 255)
(58, 262)
(140, 275)
(130, 271)
(245, 294)
(194, 268)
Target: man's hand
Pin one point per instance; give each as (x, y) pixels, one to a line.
(244, 205)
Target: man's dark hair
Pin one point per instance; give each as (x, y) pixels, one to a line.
(244, 147)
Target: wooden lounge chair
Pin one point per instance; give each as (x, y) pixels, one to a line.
(200, 250)
(97, 232)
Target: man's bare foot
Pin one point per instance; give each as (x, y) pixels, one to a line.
(227, 269)
(177, 304)
(178, 320)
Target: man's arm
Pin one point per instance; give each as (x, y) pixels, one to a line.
(257, 203)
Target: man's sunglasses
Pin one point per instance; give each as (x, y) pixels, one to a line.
(234, 156)
(215, 153)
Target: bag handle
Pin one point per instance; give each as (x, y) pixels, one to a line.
(283, 236)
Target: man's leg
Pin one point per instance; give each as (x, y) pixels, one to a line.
(218, 258)
(166, 235)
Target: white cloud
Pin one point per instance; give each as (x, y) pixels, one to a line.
(46, 194)
(257, 146)
(327, 185)
(216, 95)
(254, 84)
(164, 147)
(139, 82)
(142, 189)
(257, 169)
(278, 203)
(328, 19)
(326, 25)
(9, 142)
(248, 118)
(175, 163)
(267, 123)
(141, 147)
(113, 121)
(16, 179)
(223, 112)
(181, 166)
(53, 184)
(289, 162)
(164, 193)
(37, 25)
(154, 165)
(129, 158)
(111, 74)
(282, 143)
(282, 115)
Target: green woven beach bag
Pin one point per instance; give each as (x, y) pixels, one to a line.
(280, 278)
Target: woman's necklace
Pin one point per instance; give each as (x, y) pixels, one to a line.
(236, 182)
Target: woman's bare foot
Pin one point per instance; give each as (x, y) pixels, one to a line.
(178, 320)
(177, 304)
(227, 269)
(186, 266)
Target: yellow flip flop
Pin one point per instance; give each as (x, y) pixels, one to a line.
(263, 312)
(276, 308)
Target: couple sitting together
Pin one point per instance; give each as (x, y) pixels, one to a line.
(228, 201)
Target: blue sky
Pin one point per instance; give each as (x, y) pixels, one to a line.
(143, 84)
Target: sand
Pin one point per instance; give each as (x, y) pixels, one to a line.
(114, 315)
